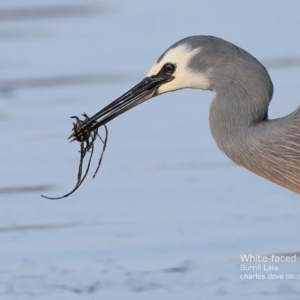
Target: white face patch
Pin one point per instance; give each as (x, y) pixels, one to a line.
(184, 77)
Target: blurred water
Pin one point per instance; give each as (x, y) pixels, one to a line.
(168, 215)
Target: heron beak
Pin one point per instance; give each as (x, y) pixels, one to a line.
(143, 91)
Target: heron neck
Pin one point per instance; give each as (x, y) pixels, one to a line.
(269, 148)
(237, 120)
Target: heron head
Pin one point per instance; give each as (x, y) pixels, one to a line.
(175, 64)
(171, 72)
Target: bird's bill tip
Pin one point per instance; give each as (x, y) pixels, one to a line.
(143, 91)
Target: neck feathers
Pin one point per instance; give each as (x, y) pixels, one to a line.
(269, 148)
(240, 127)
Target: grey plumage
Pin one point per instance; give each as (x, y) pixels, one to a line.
(238, 113)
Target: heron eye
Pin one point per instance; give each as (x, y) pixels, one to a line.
(169, 68)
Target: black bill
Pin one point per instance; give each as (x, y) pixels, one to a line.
(143, 91)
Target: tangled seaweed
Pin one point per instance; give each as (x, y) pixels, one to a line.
(86, 140)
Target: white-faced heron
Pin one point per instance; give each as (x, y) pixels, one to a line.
(238, 113)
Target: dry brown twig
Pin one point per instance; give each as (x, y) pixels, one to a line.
(86, 140)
